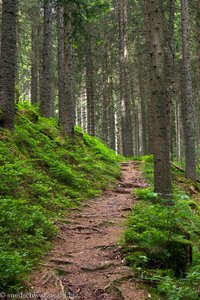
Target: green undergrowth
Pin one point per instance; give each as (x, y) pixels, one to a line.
(161, 242)
(43, 175)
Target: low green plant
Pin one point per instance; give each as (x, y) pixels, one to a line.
(43, 175)
(161, 242)
(24, 233)
(146, 194)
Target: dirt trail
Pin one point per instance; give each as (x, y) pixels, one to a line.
(86, 263)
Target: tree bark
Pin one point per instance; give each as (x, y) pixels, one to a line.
(105, 124)
(111, 115)
(187, 103)
(70, 117)
(170, 71)
(162, 174)
(144, 103)
(8, 64)
(46, 95)
(61, 68)
(0, 23)
(35, 59)
(90, 87)
(126, 117)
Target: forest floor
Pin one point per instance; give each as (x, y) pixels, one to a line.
(86, 262)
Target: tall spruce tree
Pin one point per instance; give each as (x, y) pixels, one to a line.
(162, 174)
(8, 63)
(187, 101)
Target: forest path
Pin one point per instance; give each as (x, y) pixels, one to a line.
(86, 263)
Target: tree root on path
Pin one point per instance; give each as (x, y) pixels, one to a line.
(61, 261)
(112, 288)
(51, 275)
(97, 268)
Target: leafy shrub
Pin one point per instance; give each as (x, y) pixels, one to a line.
(162, 242)
(146, 194)
(24, 231)
(12, 271)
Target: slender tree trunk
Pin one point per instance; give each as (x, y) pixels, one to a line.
(84, 109)
(187, 103)
(111, 113)
(170, 71)
(90, 87)
(17, 64)
(0, 23)
(119, 133)
(35, 60)
(8, 64)
(178, 133)
(126, 117)
(69, 83)
(162, 175)
(148, 83)
(46, 95)
(144, 102)
(105, 99)
(61, 68)
(197, 65)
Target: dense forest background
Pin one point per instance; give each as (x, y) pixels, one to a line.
(89, 64)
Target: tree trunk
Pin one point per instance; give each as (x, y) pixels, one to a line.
(170, 71)
(126, 117)
(162, 174)
(46, 96)
(90, 87)
(105, 98)
(187, 102)
(8, 64)
(144, 103)
(70, 118)
(0, 23)
(61, 68)
(35, 67)
(111, 115)
(147, 78)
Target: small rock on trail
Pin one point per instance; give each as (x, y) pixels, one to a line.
(86, 262)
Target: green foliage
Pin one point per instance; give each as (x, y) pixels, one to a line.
(147, 167)
(42, 174)
(163, 238)
(161, 243)
(146, 194)
(145, 158)
(24, 230)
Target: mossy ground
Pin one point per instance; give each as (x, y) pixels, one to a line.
(162, 241)
(42, 175)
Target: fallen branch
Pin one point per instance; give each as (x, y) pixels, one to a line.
(178, 168)
(181, 170)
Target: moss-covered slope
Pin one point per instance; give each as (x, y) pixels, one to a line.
(41, 176)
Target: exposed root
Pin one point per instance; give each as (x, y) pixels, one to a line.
(112, 288)
(97, 268)
(61, 261)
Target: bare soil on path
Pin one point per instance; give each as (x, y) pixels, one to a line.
(86, 262)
